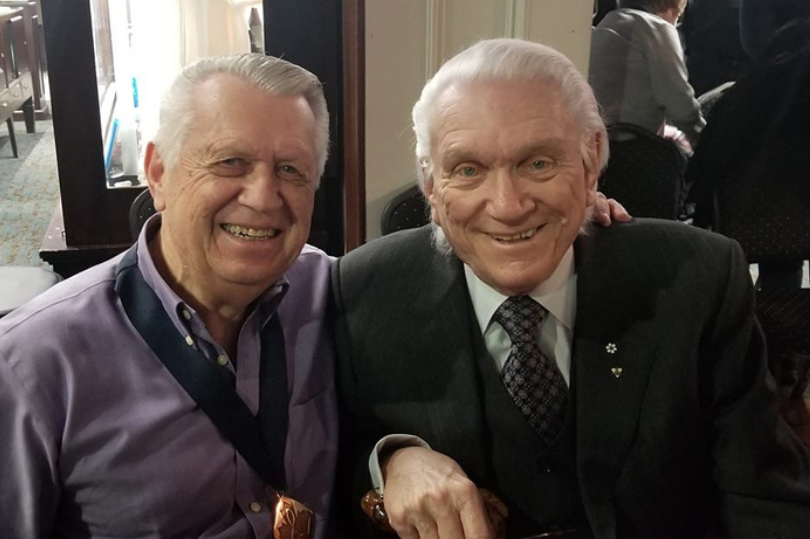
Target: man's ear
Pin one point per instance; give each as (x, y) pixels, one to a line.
(593, 149)
(155, 170)
(427, 185)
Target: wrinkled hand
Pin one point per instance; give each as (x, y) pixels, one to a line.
(606, 210)
(428, 496)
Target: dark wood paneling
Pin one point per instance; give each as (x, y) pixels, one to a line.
(68, 261)
(354, 132)
(34, 54)
(308, 33)
(93, 214)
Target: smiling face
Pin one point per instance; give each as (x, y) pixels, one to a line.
(238, 202)
(509, 185)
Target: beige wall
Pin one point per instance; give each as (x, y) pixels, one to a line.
(395, 72)
(406, 41)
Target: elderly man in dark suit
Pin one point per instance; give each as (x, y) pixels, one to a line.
(610, 382)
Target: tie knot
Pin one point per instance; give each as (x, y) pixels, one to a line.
(520, 316)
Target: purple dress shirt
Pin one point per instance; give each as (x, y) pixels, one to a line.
(99, 440)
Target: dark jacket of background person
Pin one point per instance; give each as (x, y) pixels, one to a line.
(757, 136)
(714, 53)
(761, 19)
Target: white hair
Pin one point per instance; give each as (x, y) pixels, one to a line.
(272, 75)
(510, 60)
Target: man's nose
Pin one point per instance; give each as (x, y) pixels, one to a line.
(508, 199)
(261, 190)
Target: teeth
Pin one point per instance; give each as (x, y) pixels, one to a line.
(515, 237)
(253, 234)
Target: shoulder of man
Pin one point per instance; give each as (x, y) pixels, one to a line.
(309, 283)
(647, 268)
(312, 262)
(49, 342)
(406, 247)
(56, 310)
(391, 268)
(647, 229)
(655, 241)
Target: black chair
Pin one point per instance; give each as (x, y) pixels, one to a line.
(770, 218)
(409, 209)
(757, 184)
(142, 208)
(645, 172)
(767, 207)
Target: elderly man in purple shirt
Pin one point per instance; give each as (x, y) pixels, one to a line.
(126, 390)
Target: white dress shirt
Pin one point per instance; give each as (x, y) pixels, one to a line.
(558, 294)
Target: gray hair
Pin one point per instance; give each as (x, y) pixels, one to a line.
(270, 74)
(509, 60)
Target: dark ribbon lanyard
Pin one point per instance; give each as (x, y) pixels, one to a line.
(259, 439)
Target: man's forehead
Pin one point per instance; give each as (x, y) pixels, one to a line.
(463, 149)
(226, 98)
(530, 114)
(223, 125)
(220, 82)
(476, 90)
(484, 101)
(221, 91)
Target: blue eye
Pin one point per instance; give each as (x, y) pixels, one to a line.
(231, 167)
(468, 171)
(233, 162)
(292, 173)
(539, 164)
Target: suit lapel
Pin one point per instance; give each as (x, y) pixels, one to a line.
(612, 361)
(441, 309)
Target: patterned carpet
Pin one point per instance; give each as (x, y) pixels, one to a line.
(29, 192)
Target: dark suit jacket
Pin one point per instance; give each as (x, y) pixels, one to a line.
(685, 442)
(711, 36)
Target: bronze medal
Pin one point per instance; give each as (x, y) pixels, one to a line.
(293, 519)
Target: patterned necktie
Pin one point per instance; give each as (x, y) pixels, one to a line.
(532, 380)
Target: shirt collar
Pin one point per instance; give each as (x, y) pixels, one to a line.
(173, 304)
(557, 294)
